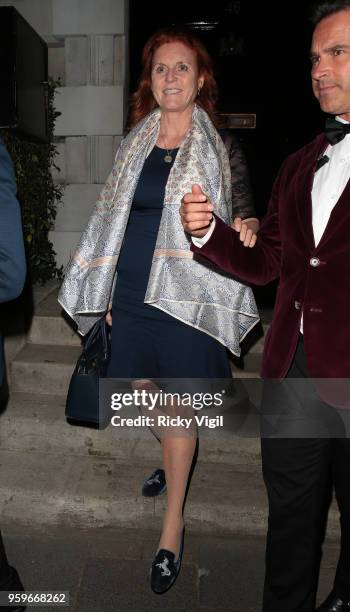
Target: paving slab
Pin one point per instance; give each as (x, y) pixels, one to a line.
(241, 588)
(48, 564)
(107, 570)
(124, 586)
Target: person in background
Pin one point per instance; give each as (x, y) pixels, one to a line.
(12, 278)
(171, 316)
(304, 240)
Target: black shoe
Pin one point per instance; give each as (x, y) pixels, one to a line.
(333, 603)
(165, 569)
(155, 485)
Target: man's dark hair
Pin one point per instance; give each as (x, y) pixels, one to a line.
(323, 9)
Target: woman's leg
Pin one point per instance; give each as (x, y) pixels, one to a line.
(177, 459)
(178, 445)
(193, 361)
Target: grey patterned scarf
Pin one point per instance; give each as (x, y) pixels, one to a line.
(180, 285)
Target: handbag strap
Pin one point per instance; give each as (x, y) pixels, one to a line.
(101, 328)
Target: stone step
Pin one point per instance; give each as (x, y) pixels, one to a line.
(248, 366)
(254, 343)
(88, 492)
(47, 369)
(41, 292)
(38, 423)
(40, 368)
(52, 330)
(50, 326)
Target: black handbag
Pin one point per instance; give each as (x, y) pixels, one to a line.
(82, 405)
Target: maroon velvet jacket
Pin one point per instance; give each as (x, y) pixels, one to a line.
(313, 279)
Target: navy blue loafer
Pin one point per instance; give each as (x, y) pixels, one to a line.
(165, 569)
(155, 484)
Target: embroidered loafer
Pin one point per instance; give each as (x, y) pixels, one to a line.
(333, 603)
(165, 569)
(155, 484)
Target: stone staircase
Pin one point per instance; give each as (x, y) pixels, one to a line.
(57, 474)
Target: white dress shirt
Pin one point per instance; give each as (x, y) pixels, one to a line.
(329, 183)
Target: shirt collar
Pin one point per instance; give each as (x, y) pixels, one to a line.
(341, 120)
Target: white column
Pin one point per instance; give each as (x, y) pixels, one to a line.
(91, 102)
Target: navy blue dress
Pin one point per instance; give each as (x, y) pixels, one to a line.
(147, 342)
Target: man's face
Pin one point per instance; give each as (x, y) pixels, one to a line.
(330, 58)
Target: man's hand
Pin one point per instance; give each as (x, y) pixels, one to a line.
(196, 212)
(108, 317)
(247, 229)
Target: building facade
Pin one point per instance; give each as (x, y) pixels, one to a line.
(87, 42)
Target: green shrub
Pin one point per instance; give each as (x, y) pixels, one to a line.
(38, 195)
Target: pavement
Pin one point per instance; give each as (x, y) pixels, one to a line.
(105, 570)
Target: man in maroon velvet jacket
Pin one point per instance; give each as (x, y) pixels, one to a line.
(305, 241)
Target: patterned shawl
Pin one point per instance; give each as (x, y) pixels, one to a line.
(188, 289)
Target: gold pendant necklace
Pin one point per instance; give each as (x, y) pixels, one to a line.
(168, 158)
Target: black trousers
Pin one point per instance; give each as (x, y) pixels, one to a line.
(305, 454)
(4, 566)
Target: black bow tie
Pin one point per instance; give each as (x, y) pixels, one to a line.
(335, 131)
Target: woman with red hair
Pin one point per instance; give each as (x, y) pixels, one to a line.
(172, 316)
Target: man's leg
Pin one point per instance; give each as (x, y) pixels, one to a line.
(297, 477)
(341, 463)
(296, 459)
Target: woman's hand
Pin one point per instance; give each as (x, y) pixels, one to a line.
(108, 317)
(248, 229)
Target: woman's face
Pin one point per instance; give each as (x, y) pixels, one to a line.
(175, 79)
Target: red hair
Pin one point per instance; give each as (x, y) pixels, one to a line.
(142, 101)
